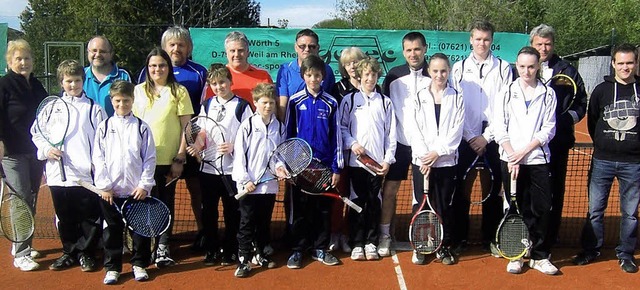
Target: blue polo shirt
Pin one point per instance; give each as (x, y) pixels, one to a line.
(192, 76)
(290, 82)
(99, 91)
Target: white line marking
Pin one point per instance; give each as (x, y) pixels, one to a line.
(582, 133)
(582, 152)
(396, 262)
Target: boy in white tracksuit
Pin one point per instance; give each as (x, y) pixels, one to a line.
(77, 211)
(125, 161)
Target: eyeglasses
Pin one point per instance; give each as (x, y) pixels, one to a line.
(305, 46)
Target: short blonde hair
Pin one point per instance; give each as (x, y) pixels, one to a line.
(264, 90)
(16, 45)
(348, 55)
(70, 67)
(368, 63)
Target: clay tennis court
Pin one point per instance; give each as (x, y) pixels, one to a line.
(475, 270)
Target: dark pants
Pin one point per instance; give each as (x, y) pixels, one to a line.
(491, 208)
(166, 194)
(255, 222)
(558, 167)
(310, 220)
(533, 195)
(79, 223)
(442, 183)
(213, 190)
(364, 226)
(113, 240)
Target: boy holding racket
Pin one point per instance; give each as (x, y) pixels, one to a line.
(77, 211)
(228, 110)
(524, 123)
(256, 208)
(124, 157)
(313, 116)
(368, 127)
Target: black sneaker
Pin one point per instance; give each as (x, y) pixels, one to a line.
(462, 247)
(243, 270)
(211, 258)
(87, 263)
(446, 257)
(198, 243)
(628, 265)
(325, 257)
(64, 262)
(228, 260)
(265, 261)
(295, 260)
(585, 257)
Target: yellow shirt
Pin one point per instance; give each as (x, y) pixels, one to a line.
(163, 116)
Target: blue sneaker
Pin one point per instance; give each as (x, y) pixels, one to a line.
(295, 260)
(325, 257)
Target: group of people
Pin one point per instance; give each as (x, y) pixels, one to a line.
(436, 116)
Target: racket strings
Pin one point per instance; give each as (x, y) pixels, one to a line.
(146, 218)
(293, 155)
(16, 220)
(513, 237)
(52, 119)
(316, 178)
(426, 232)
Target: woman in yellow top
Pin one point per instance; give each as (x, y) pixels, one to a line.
(164, 104)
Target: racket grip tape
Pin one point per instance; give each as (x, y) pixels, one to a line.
(89, 186)
(352, 204)
(241, 194)
(63, 174)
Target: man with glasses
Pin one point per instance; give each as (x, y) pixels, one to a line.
(289, 80)
(102, 72)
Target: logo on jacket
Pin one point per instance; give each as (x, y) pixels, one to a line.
(621, 116)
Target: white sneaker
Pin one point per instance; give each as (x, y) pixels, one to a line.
(384, 246)
(357, 254)
(543, 266)
(35, 254)
(417, 258)
(111, 278)
(371, 252)
(515, 266)
(334, 244)
(344, 244)
(25, 263)
(140, 274)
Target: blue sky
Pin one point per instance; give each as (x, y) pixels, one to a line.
(301, 14)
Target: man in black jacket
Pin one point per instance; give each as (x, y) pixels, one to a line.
(542, 38)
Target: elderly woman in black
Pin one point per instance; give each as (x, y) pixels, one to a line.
(20, 94)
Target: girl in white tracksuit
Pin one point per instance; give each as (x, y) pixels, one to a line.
(438, 117)
(523, 124)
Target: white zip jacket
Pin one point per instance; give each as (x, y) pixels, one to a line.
(443, 137)
(369, 120)
(479, 83)
(253, 146)
(84, 117)
(403, 84)
(515, 122)
(230, 123)
(125, 155)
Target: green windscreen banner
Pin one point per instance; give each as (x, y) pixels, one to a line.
(3, 47)
(271, 47)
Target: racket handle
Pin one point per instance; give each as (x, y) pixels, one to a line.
(63, 174)
(425, 183)
(352, 205)
(241, 194)
(512, 186)
(89, 186)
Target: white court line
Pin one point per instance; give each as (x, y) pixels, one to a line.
(582, 152)
(396, 262)
(582, 133)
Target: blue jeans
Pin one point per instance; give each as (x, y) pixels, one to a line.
(601, 177)
(24, 173)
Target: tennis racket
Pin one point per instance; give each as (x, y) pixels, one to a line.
(205, 135)
(287, 160)
(513, 235)
(366, 162)
(479, 170)
(148, 217)
(426, 231)
(52, 122)
(564, 85)
(316, 180)
(16, 218)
